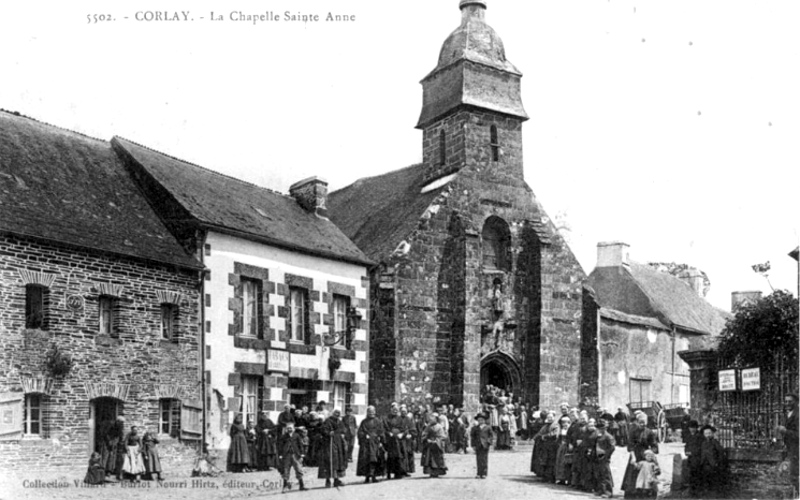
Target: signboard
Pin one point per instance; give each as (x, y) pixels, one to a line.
(727, 380)
(751, 379)
(277, 360)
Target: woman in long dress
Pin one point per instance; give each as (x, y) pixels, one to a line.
(266, 443)
(433, 448)
(133, 465)
(152, 462)
(641, 440)
(238, 454)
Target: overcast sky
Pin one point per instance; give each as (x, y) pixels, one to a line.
(671, 125)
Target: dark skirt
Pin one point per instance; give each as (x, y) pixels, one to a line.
(433, 460)
(239, 453)
(152, 462)
(95, 475)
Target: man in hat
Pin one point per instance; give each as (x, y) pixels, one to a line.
(692, 445)
(371, 459)
(790, 436)
(333, 452)
(601, 459)
(349, 421)
(481, 437)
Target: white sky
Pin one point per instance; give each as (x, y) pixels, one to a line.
(671, 125)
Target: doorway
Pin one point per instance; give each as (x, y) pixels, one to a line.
(104, 412)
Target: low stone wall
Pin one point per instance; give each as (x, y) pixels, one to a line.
(759, 474)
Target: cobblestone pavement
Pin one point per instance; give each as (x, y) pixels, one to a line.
(509, 478)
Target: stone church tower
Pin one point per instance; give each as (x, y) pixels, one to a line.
(474, 285)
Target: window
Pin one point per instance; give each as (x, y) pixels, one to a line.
(169, 316)
(640, 390)
(252, 396)
(251, 302)
(341, 394)
(442, 148)
(34, 306)
(33, 415)
(496, 244)
(298, 313)
(107, 318)
(169, 417)
(683, 394)
(341, 304)
(493, 143)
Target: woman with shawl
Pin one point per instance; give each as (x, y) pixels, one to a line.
(641, 440)
(152, 462)
(238, 454)
(133, 464)
(564, 453)
(266, 443)
(433, 447)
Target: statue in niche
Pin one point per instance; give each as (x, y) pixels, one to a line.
(498, 311)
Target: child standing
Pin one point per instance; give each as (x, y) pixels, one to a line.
(290, 456)
(647, 479)
(481, 437)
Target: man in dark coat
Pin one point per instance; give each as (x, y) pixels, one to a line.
(790, 437)
(578, 433)
(692, 443)
(713, 466)
(622, 420)
(601, 459)
(352, 428)
(371, 459)
(290, 456)
(481, 437)
(332, 456)
(400, 431)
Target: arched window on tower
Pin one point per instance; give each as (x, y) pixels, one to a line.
(496, 244)
(442, 148)
(493, 143)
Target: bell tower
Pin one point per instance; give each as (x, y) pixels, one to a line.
(472, 109)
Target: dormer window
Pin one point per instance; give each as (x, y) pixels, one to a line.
(493, 143)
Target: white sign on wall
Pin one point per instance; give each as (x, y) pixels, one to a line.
(727, 380)
(751, 379)
(277, 360)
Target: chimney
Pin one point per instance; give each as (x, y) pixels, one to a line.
(739, 299)
(694, 278)
(612, 254)
(311, 194)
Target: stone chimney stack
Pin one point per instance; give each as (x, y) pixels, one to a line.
(612, 254)
(694, 278)
(739, 299)
(311, 194)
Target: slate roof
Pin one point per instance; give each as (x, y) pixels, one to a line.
(639, 290)
(633, 319)
(231, 205)
(377, 213)
(65, 187)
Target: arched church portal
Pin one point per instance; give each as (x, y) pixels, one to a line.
(500, 370)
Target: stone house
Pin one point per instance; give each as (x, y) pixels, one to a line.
(88, 273)
(283, 295)
(474, 284)
(635, 321)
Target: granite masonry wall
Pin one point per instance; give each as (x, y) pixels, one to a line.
(132, 369)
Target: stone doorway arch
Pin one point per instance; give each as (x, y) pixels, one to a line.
(500, 370)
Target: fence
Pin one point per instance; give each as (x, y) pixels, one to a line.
(748, 419)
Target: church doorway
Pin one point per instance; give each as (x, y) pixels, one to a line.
(500, 370)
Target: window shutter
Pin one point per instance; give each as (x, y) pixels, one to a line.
(191, 420)
(11, 415)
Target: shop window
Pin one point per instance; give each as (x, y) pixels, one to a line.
(33, 415)
(34, 306)
(496, 244)
(298, 314)
(170, 417)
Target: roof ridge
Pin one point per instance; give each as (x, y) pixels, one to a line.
(214, 172)
(17, 114)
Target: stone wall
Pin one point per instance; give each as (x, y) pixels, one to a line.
(758, 474)
(136, 366)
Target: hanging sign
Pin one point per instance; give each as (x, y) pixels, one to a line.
(727, 380)
(751, 379)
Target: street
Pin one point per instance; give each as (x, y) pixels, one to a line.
(509, 478)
